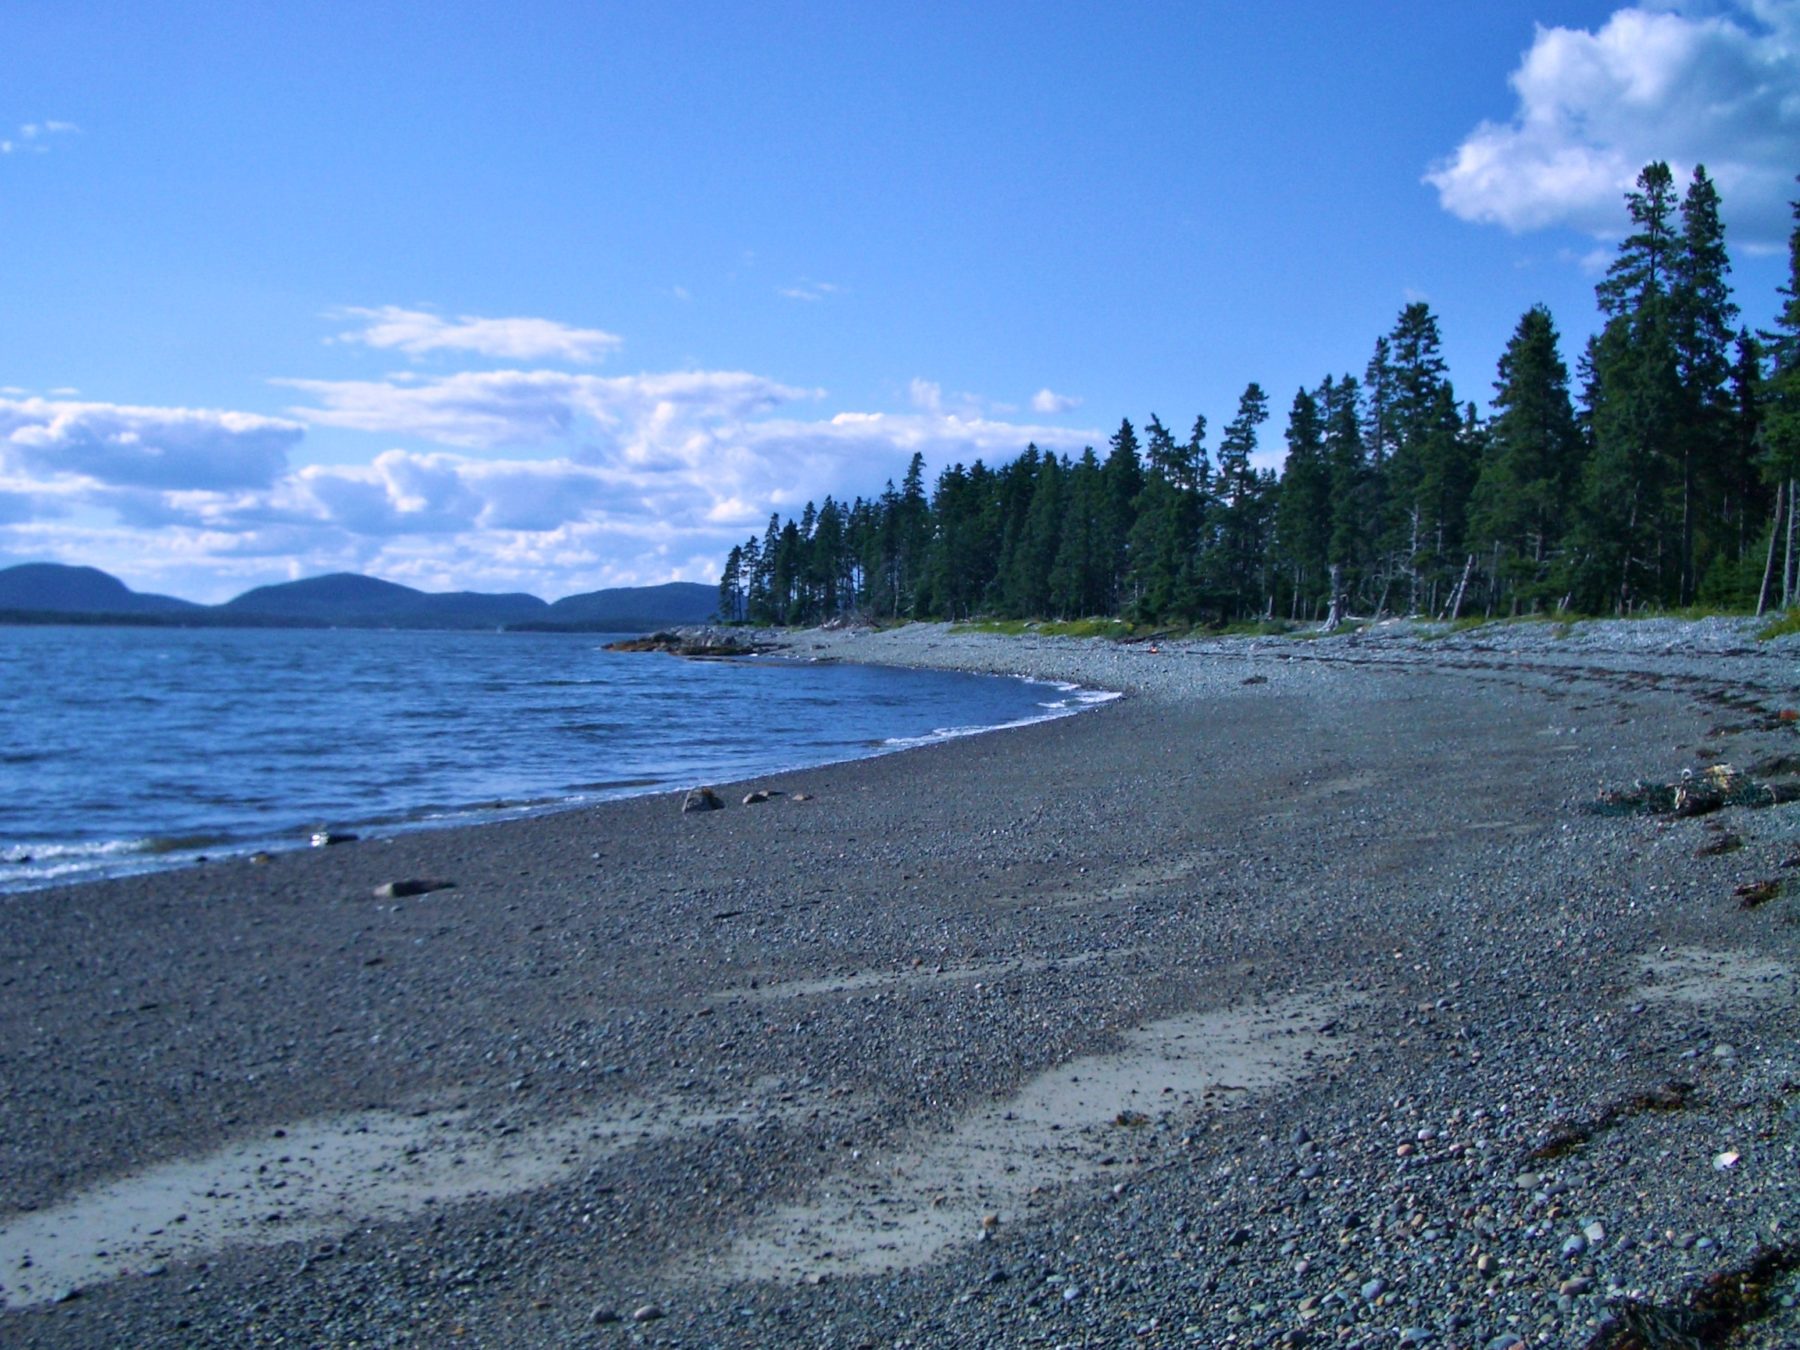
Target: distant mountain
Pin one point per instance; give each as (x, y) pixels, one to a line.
(634, 609)
(353, 600)
(41, 592)
(52, 588)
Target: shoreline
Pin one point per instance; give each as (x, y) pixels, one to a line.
(869, 722)
(1360, 876)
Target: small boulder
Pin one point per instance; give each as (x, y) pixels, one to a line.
(395, 890)
(701, 799)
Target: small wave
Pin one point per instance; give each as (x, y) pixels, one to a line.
(76, 854)
(1084, 699)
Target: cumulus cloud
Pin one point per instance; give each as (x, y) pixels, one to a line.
(419, 332)
(1049, 401)
(121, 446)
(1718, 86)
(542, 480)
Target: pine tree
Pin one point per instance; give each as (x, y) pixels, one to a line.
(1352, 521)
(1632, 395)
(1235, 565)
(1702, 317)
(1780, 426)
(1165, 533)
(1303, 510)
(1121, 481)
(1519, 509)
(1079, 582)
(731, 593)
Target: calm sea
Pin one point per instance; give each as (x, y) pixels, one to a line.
(124, 749)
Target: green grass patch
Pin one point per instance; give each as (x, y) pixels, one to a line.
(1075, 628)
(1784, 624)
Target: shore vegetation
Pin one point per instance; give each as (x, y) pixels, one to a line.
(1658, 474)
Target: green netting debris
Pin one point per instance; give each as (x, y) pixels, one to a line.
(1695, 794)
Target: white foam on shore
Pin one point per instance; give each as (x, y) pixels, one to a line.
(1076, 698)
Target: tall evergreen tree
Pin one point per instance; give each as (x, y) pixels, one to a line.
(1519, 509)
(1702, 318)
(1235, 567)
(1303, 510)
(1632, 397)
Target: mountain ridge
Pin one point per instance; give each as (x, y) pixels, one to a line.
(47, 592)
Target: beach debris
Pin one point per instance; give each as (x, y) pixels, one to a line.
(803, 796)
(701, 799)
(757, 796)
(1724, 842)
(396, 890)
(1696, 794)
(1754, 893)
(326, 838)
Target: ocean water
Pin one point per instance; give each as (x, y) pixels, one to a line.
(124, 749)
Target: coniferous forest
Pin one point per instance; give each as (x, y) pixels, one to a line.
(1659, 473)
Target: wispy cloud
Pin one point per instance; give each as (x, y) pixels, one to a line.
(34, 137)
(811, 291)
(1718, 85)
(1047, 400)
(419, 332)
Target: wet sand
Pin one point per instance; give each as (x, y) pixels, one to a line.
(1188, 1020)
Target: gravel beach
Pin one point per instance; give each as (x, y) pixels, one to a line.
(1299, 996)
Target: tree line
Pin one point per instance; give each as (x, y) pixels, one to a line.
(1662, 474)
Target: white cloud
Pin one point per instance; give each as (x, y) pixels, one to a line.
(119, 446)
(493, 409)
(1719, 88)
(809, 290)
(419, 332)
(1049, 401)
(540, 480)
(33, 137)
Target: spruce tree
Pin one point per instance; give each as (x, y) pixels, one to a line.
(1519, 509)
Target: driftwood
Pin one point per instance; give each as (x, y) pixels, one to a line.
(1697, 794)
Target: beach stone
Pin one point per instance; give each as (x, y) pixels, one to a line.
(701, 799)
(648, 1312)
(327, 838)
(601, 1317)
(1374, 1289)
(1574, 1246)
(755, 798)
(395, 890)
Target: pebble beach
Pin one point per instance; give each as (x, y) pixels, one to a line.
(1299, 996)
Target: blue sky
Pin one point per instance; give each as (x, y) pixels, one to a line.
(555, 296)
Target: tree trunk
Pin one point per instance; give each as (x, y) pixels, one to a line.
(1455, 606)
(1787, 564)
(1336, 614)
(1762, 596)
